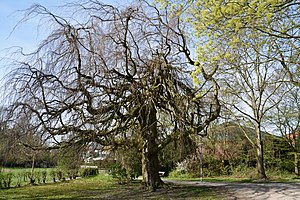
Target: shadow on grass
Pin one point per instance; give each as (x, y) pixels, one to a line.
(112, 191)
(136, 191)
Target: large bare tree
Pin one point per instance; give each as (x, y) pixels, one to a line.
(115, 77)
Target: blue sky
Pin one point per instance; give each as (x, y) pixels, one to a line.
(27, 34)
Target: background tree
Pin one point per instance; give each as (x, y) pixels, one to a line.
(70, 158)
(231, 34)
(251, 79)
(130, 159)
(115, 77)
(14, 149)
(217, 20)
(286, 119)
(177, 151)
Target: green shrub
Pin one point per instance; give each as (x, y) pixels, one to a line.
(44, 176)
(31, 177)
(130, 160)
(181, 174)
(277, 173)
(86, 172)
(60, 175)
(38, 177)
(72, 173)
(5, 180)
(53, 175)
(243, 171)
(117, 171)
(19, 176)
(69, 161)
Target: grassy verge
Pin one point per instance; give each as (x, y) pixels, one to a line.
(215, 179)
(245, 175)
(104, 187)
(237, 179)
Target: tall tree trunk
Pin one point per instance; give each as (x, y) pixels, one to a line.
(150, 165)
(296, 163)
(150, 162)
(260, 154)
(32, 179)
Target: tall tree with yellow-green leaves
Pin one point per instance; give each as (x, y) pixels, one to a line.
(253, 39)
(220, 21)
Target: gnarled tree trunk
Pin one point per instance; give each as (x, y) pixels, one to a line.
(150, 162)
(150, 165)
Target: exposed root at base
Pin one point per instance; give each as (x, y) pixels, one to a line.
(157, 185)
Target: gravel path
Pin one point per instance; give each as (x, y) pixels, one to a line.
(253, 191)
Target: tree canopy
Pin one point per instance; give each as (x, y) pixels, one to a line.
(253, 40)
(233, 24)
(115, 77)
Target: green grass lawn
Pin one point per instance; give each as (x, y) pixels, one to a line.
(271, 178)
(291, 179)
(246, 176)
(104, 187)
(20, 173)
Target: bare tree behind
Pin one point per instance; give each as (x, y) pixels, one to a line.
(115, 77)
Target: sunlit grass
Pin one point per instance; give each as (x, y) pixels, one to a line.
(63, 190)
(104, 187)
(20, 173)
(243, 177)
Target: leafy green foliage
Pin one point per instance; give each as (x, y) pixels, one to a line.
(53, 175)
(177, 151)
(226, 27)
(5, 180)
(60, 175)
(86, 172)
(44, 176)
(176, 174)
(69, 161)
(129, 158)
(118, 172)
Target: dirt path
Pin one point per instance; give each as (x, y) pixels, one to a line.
(253, 191)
